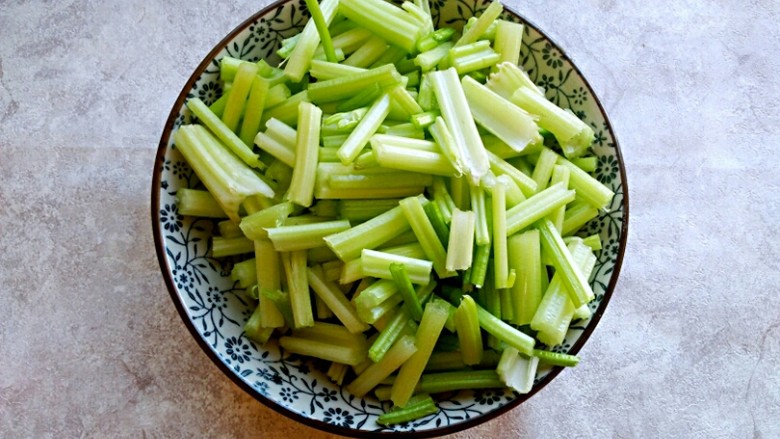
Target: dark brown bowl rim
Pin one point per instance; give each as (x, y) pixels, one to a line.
(160, 248)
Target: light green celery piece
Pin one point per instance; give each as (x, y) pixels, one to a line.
(479, 267)
(279, 150)
(455, 110)
(401, 351)
(587, 187)
(375, 314)
(277, 94)
(367, 126)
(253, 113)
(301, 189)
(333, 142)
(229, 229)
(509, 39)
(341, 173)
(255, 331)
(385, 20)
(556, 358)
(281, 300)
(362, 210)
(572, 277)
(560, 174)
(287, 111)
(228, 66)
(234, 107)
(555, 312)
(332, 270)
(459, 380)
(587, 164)
(443, 361)
(404, 284)
(433, 320)
(300, 59)
(508, 78)
(413, 79)
(337, 372)
(461, 244)
(514, 195)
(484, 21)
(582, 313)
(593, 241)
(434, 38)
(322, 28)
(393, 152)
(424, 120)
(438, 222)
(343, 123)
(469, 333)
(574, 135)
(367, 54)
(419, 14)
(392, 55)
(244, 273)
(517, 371)
(407, 237)
(504, 277)
(298, 284)
(347, 86)
(537, 207)
(425, 96)
(229, 180)
(254, 226)
(335, 299)
(351, 39)
(221, 247)
(472, 57)
(502, 331)
(441, 196)
(324, 70)
(507, 305)
(304, 236)
(576, 216)
(428, 60)
(482, 230)
(368, 235)
(268, 268)
(443, 137)
(378, 181)
(376, 293)
(377, 264)
(426, 235)
(418, 407)
(525, 258)
(219, 105)
(200, 203)
(404, 102)
(332, 333)
(223, 133)
(320, 255)
(500, 167)
(363, 99)
(508, 122)
(353, 270)
(282, 133)
(499, 148)
(543, 168)
(342, 353)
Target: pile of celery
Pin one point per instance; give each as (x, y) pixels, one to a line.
(408, 200)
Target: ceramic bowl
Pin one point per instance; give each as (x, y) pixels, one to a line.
(214, 310)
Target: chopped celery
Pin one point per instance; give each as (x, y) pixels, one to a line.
(386, 20)
(407, 130)
(459, 380)
(525, 259)
(587, 164)
(504, 277)
(245, 273)
(560, 174)
(306, 154)
(429, 59)
(335, 300)
(467, 324)
(277, 94)
(509, 335)
(508, 78)
(198, 203)
(323, 70)
(377, 264)
(576, 216)
(362, 210)
(367, 126)
(570, 273)
(298, 284)
(556, 358)
(473, 57)
(336, 372)
(461, 244)
(419, 407)
(229, 229)
(301, 56)
(517, 371)
(537, 207)
(544, 168)
(509, 38)
(482, 23)
(401, 351)
(281, 301)
(253, 113)
(304, 236)
(426, 235)
(223, 133)
(255, 330)
(389, 334)
(390, 152)
(278, 150)
(404, 285)
(376, 293)
(346, 353)
(480, 265)
(367, 54)
(587, 187)
(254, 226)
(438, 222)
(322, 28)
(234, 107)
(268, 277)
(347, 86)
(362, 99)
(501, 167)
(287, 111)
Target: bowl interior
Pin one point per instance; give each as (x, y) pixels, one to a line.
(215, 310)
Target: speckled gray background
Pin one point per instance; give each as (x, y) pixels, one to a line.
(91, 345)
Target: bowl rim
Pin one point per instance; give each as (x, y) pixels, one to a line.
(159, 244)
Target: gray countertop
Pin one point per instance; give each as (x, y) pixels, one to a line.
(92, 346)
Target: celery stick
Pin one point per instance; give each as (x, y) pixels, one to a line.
(254, 225)
(367, 54)
(304, 236)
(508, 78)
(287, 111)
(336, 372)
(331, 333)
(234, 107)
(471, 153)
(461, 242)
(487, 296)
(372, 315)
(481, 230)
(332, 270)
(245, 273)
(371, 234)
(441, 361)
(424, 120)
(587, 187)
(404, 101)
(442, 197)
(576, 216)
(509, 335)
(347, 86)
(472, 57)
(509, 39)
(323, 70)
(298, 284)
(593, 241)
(392, 55)
(198, 203)
(574, 135)
(438, 222)
(306, 153)
(560, 174)
(407, 130)
(255, 330)
(435, 38)
(504, 277)
(377, 264)
(481, 25)
(336, 300)
(469, 335)
(389, 363)
(501, 167)
(363, 99)
(571, 275)
(422, 17)
(459, 380)
(347, 354)
(253, 112)
(587, 164)
(223, 133)
(391, 152)
(505, 120)
(281, 132)
(362, 210)
(425, 96)
(433, 319)
(386, 20)
(556, 359)
(537, 207)
(429, 59)
(525, 259)
(405, 288)
(364, 130)
(517, 371)
(443, 136)
(543, 169)
(268, 271)
(278, 150)
(416, 409)
(343, 123)
(480, 265)
(353, 270)
(322, 28)
(334, 141)
(501, 149)
(376, 293)
(218, 107)
(277, 94)
(229, 229)
(300, 59)
(221, 247)
(514, 195)
(426, 235)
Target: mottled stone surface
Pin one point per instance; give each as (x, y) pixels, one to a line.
(91, 345)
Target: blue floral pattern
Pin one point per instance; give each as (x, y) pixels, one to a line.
(218, 310)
